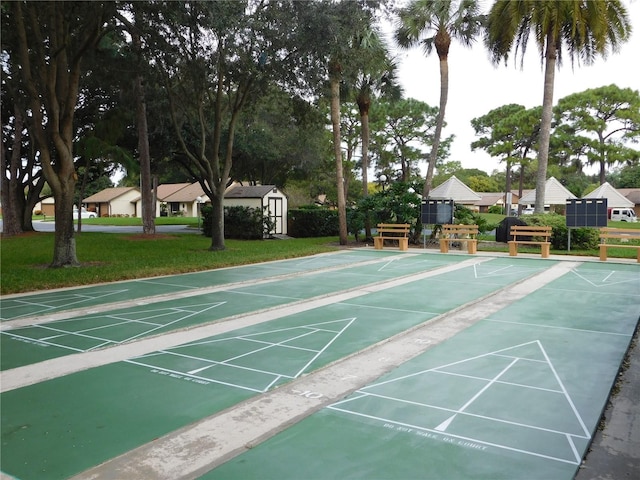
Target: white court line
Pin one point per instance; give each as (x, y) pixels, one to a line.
(325, 347)
(51, 344)
(460, 437)
(566, 394)
(502, 382)
(597, 332)
(213, 364)
(283, 345)
(267, 332)
(194, 376)
(608, 284)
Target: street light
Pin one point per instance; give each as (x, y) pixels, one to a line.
(383, 180)
(199, 202)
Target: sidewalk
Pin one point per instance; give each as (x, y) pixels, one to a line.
(615, 450)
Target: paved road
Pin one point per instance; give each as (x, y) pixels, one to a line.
(41, 226)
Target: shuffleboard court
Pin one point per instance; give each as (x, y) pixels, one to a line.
(516, 396)
(41, 341)
(80, 420)
(47, 303)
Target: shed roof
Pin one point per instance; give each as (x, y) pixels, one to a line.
(456, 190)
(249, 191)
(109, 194)
(554, 194)
(614, 198)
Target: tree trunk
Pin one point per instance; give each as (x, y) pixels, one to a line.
(11, 204)
(335, 121)
(64, 246)
(217, 219)
(146, 187)
(433, 156)
(364, 120)
(545, 124)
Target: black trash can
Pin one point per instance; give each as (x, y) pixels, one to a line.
(504, 227)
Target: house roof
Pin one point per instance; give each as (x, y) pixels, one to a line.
(188, 194)
(249, 191)
(491, 198)
(454, 189)
(109, 194)
(166, 189)
(614, 198)
(554, 194)
(632, 194)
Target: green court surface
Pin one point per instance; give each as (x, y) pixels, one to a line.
(34, 343)
(46, 303)
(83, 419)
(520, 391)
(516, 396)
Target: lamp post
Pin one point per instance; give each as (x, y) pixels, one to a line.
(199, 202)
(383, 180)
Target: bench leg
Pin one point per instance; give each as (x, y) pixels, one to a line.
(603, 253)
(403, 243)
(444, 246)
(377, 243)
(545, 250)
(472, 246)
(638, 250)
(513, 249)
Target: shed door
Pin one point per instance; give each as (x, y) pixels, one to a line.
(276, 214)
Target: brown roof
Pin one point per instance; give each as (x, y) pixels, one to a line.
(187, 194)
(632, 194)
(167, 189)
(108, 194)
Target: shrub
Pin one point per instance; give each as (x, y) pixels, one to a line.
(313, 222)
(585, 238)
(241, 223)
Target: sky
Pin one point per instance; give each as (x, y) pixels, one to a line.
(476, 86)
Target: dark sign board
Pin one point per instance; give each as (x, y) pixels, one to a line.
(437, 212)
(586, 212)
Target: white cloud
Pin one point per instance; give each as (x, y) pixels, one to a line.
(476, 86)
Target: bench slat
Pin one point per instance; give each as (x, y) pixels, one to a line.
(451, 233)
(392, 231)
(612, 233)
(530, 231)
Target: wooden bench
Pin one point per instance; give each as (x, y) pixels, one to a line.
(392, 231)
(530, 235)
(625, 238)
(459, 233)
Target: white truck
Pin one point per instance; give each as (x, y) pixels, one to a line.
(622, 215)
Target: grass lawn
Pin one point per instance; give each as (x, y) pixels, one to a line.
(107, 257)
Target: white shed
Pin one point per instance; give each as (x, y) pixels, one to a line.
(266, 197)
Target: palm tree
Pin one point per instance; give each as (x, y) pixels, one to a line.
(375, 76)
(585, 28)
(433, 24)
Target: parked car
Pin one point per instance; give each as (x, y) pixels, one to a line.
(528, 211)
(84, 213)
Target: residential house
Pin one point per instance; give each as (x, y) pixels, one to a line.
(114, 202)
(456, 190)
(184, 201)
(554, 194)
(491, 199)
